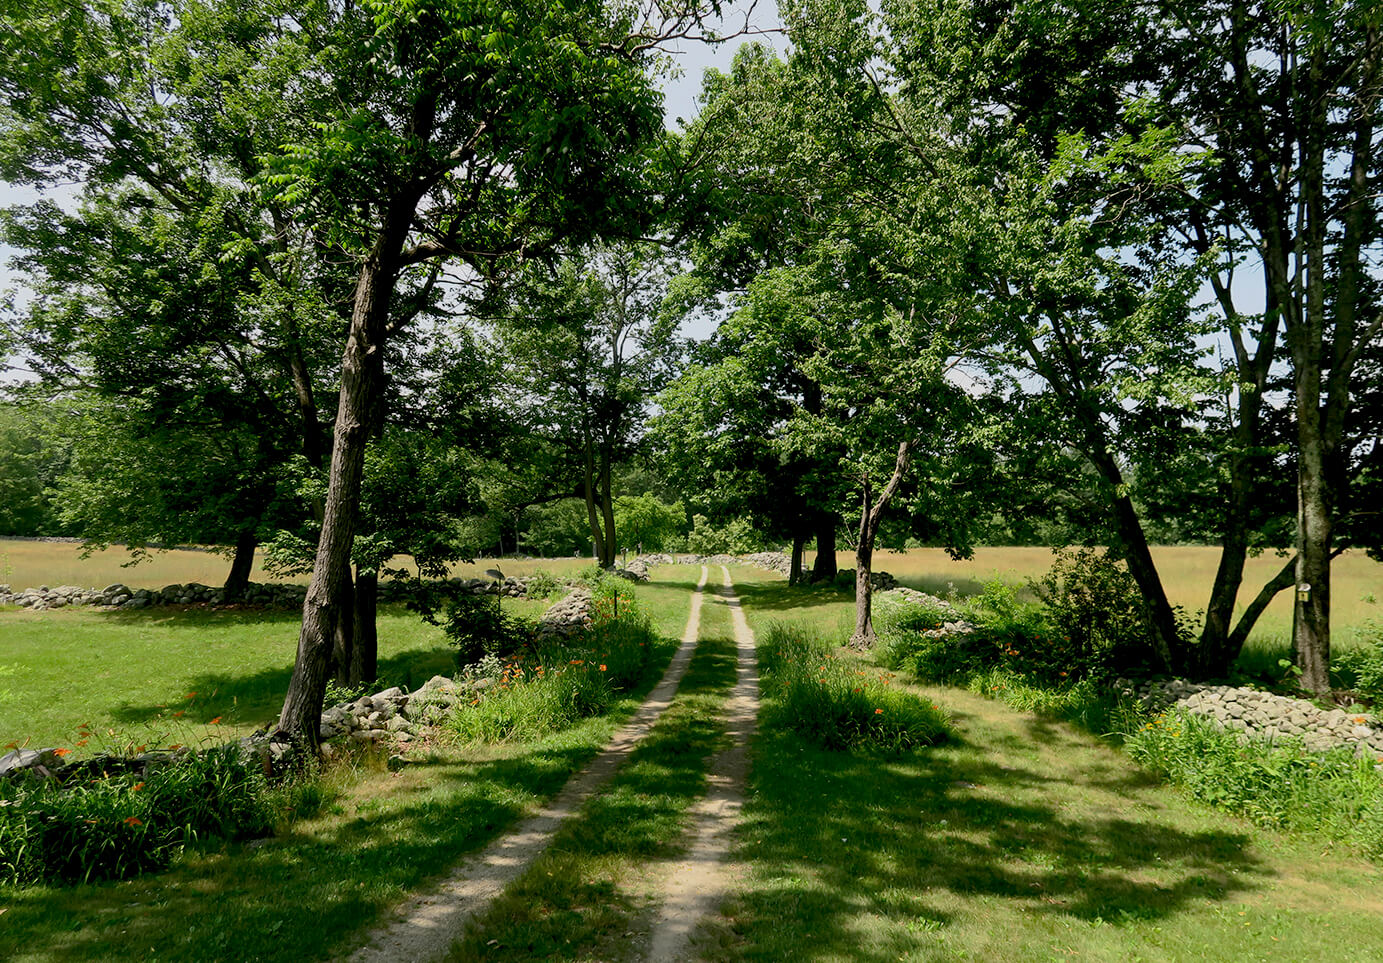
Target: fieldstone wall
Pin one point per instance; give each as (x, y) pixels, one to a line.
(1262, 715)
(284, 594)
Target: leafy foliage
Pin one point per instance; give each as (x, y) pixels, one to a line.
(1337, 794)
(113, 828)
(476, 624)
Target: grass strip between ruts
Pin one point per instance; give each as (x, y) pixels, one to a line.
(576, 901)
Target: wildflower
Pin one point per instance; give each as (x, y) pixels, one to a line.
(576, 661)
(179, 713)
(133, 821)
(174, 747)
(602, 667)
(62, 752)
(878, 712)
(81, 742)
(214, 721)
(856, 690)
(192, 695)
(136, 787)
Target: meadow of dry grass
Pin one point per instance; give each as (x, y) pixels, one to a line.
(25, 564)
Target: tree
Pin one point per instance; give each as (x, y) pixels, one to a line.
(588, 344)
(1210, 135)
(471, 134)
(176, 290)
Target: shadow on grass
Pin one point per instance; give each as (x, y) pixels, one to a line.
(841, 838)
(801, 600)
(255, 697)
(292, 898)
(312, 893)
(567, 905)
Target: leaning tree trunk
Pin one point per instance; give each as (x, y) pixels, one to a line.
(870, 518)
(362, 377)
(365, 653)
(824, 567)
(241, 565)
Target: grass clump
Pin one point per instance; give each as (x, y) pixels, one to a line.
(118, 827)
(1082, 702)
(837, 704)
(547, 688)
(1335, 794)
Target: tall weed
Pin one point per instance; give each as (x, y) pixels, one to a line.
(1336, 794)
(841, 705)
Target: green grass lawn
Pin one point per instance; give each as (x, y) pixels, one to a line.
(136, 671)
(312, 892)
(1022, 839)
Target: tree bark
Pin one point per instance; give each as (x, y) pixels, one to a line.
(592, 508)
(795, 569)
(824, 567)
(362, 377)
(607, 511)
(870, 518)
(343, 638)
(241, 565)
(365, 653)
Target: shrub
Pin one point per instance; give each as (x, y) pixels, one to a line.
(1335, 793)
(1365, 664)
(543, 585)
(113, 828)
(735, 537)
(476, 625)
(840, 706)
(1083, 702)
(1099, 620)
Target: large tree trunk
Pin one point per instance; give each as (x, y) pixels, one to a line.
(607, 511)
(824, 567)
(242, 564)
(590, 493)
(795, 569)
(362, 377)
(343, 641)
(1166, 638)
(365, 653)
(870, 518)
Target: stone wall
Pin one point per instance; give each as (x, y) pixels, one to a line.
(1262, 715)
(284, 594)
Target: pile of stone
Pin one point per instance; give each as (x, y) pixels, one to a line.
(1262, 715)
(569, 616)
(389, 718)
(952, 622)
(635, 571)
(658, 558)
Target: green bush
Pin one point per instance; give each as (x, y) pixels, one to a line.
(476, 625)
(117, 827)
(839, 705)
(543, 585)
(1099, 621)
(1084, 702)
(735, 537)
(1364, 664)
(1336, 794)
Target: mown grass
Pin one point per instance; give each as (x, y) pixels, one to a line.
(162, 675)
(313, 891)
(587, 896)
(1022, 839)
